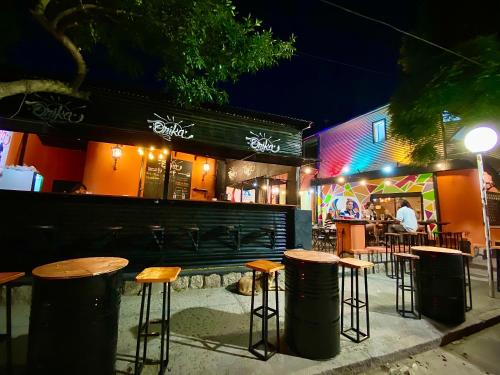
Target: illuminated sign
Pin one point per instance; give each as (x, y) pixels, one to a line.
(56, 109)
(168, 128)
(260, 142)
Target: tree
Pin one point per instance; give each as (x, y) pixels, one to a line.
(193, 44)
(435, 81)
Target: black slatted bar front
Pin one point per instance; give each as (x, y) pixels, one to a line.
(43, 227)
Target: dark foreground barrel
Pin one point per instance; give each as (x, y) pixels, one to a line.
(74, 325)
(440, 278)
(312, 308)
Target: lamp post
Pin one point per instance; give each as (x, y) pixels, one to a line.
(478, 140)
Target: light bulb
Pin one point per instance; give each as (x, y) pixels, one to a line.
(151, 156)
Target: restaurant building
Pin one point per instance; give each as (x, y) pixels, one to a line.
(358, 160)
(136, 176)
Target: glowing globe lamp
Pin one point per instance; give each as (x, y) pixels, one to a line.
(480, 139)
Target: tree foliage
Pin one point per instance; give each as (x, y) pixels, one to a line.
(435, 81)
(192, 44)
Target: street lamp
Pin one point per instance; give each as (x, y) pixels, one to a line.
(478, 140)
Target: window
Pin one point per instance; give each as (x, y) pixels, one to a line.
(379, 131)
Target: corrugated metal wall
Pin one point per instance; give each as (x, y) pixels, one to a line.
(351, 144)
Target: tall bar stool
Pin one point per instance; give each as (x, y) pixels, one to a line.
(401, 259)
(353, 301)
(393, 243)
(5, 279)
(467, 284)
(264, 312)
(147, 277)
(114, 232)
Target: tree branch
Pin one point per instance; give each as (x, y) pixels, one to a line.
(81, 66)
(41, 6)
(83, 8)
(38, 85)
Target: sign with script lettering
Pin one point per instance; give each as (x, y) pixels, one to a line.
(56, 109)
(168, 128)
(179, 182)
(260, 142)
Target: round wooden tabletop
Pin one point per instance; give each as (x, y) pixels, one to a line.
(312, 256)
(78, 268)
(434, 249)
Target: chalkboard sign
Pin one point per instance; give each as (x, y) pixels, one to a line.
(154, 180)
(179, 183)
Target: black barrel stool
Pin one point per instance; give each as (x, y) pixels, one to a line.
(147, 277)
(5, 279)
(353, 301)
(83, 294)
(401, 259)
(264, 312)
(312, 316)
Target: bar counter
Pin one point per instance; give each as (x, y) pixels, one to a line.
(39, 228)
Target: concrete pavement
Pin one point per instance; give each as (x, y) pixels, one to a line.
(209, 333)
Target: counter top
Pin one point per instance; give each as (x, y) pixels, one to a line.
(434, 249)
(350, 221)
(311, 256)
(79, 268)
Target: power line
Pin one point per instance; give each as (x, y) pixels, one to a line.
(343, 63)
(401, 31)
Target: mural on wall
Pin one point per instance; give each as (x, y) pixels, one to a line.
(332, 198)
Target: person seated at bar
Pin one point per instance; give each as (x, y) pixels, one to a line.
(406, 217)
(329, 221)
(349, 212)
(370, 214)
(79, 188)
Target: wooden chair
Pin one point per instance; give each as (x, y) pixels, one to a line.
(147, 277)
(264, 312)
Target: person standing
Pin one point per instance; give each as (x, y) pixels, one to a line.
(406, 217)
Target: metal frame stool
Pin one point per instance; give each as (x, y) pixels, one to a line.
(264, 312)
(467, 284)
(5, 279)
(354, 302)
(401, 258)
(147, 277)
(392, 240)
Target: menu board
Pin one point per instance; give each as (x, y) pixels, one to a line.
(179, 182)
(154, 180)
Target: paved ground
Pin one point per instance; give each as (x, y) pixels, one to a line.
(210, 333)
(472, 355)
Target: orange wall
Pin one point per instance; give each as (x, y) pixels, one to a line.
(99, 176)
(14, 149)
(460, 203)
(54, 163)
(197, 180)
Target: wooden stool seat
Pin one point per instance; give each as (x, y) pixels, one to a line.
(407, 256)
(495, 247)
(376, 249)
(265, 266)
(6, 277)
(355, 263)
(158, 275)
(357, 251)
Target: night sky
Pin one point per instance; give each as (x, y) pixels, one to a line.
(317, 90)
(307, 86)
